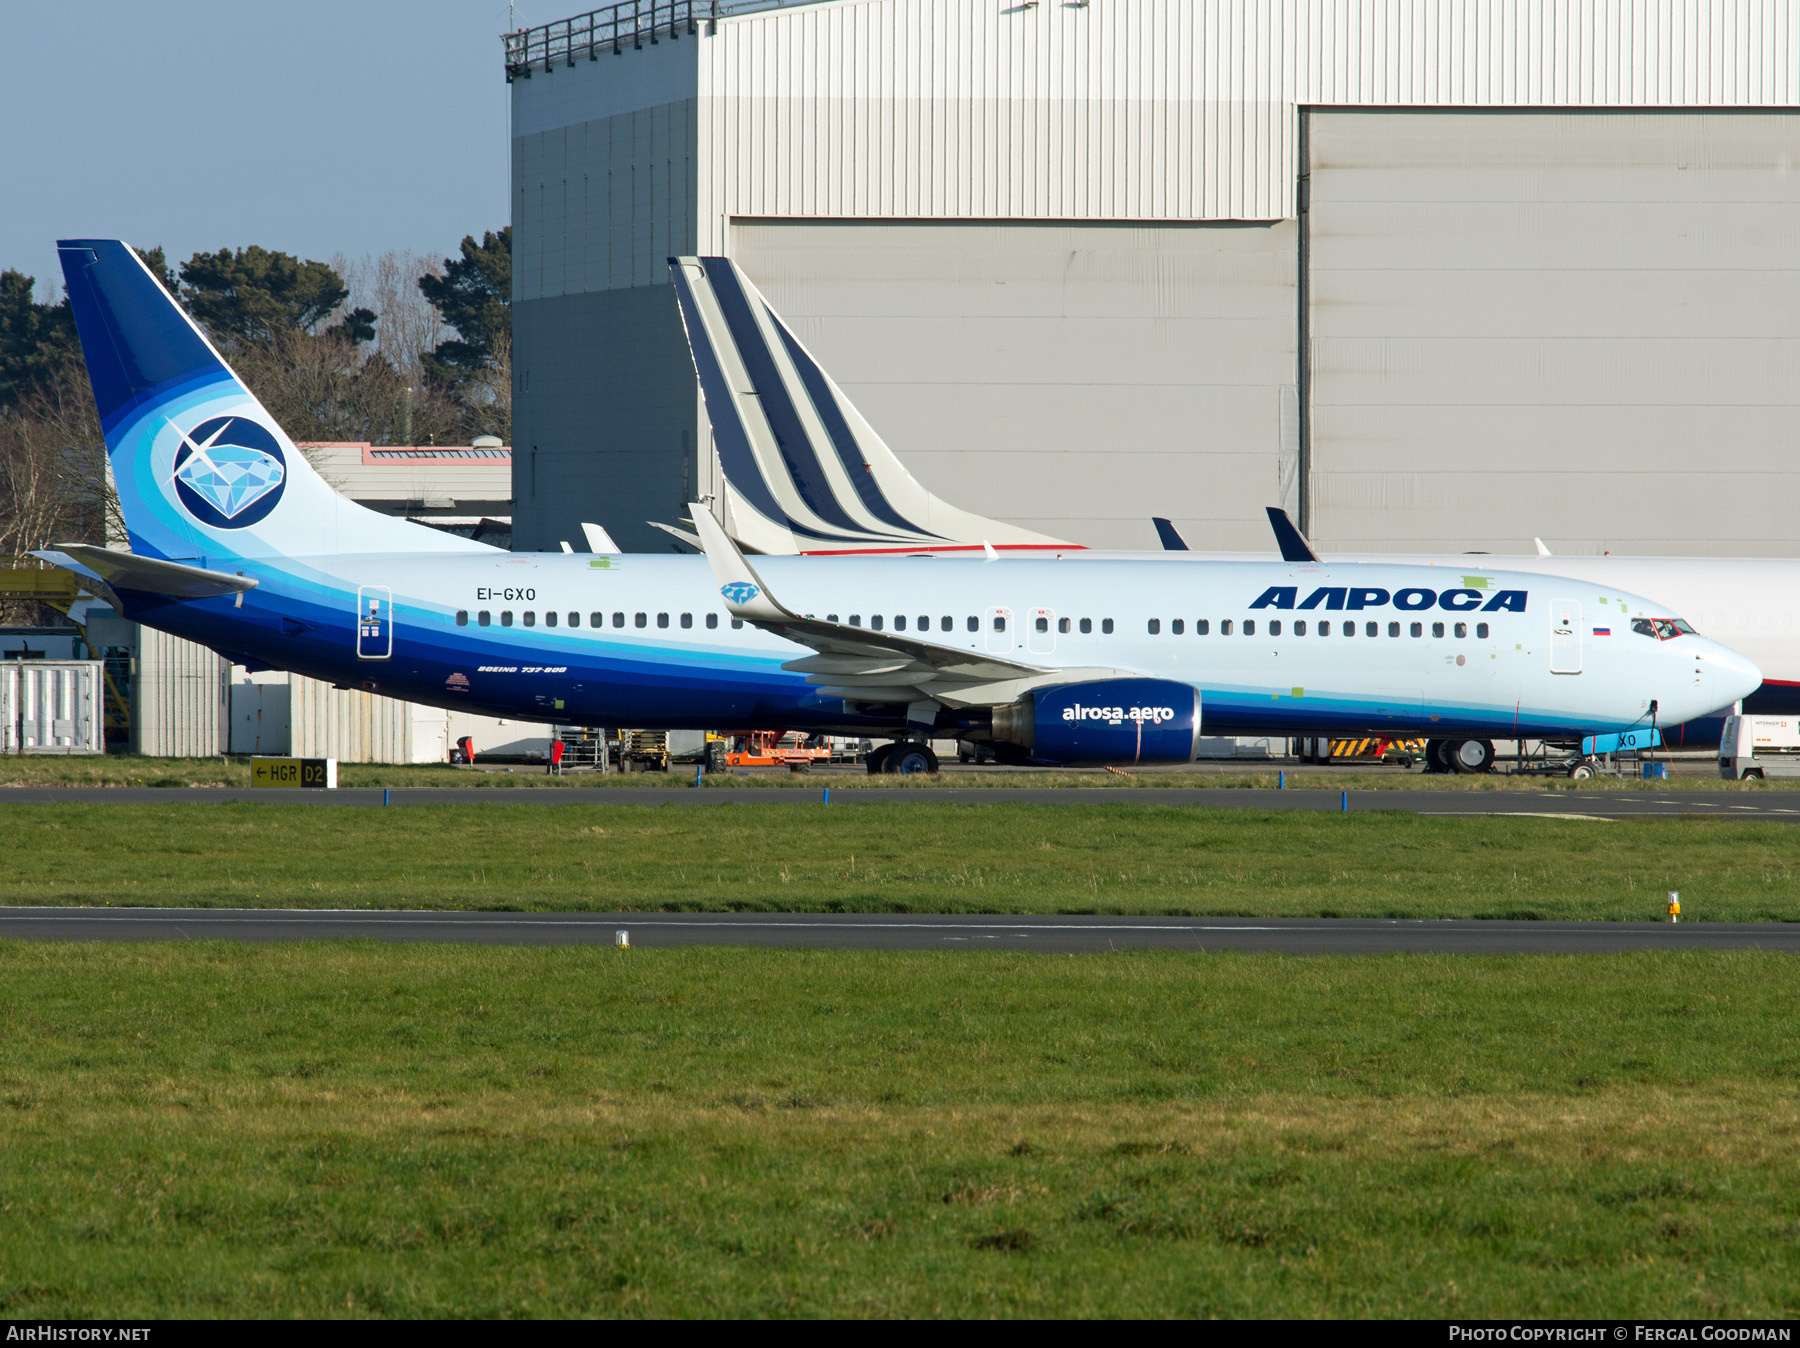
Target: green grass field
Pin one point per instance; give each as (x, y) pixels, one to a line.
(126, 770)
(999, 858)
(321, 1130)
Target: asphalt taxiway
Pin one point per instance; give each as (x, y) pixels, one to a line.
(873, 931)
(1774, 806)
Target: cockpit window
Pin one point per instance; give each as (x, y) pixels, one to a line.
(1663, 629)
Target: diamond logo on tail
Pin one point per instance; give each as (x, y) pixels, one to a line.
(229, 472)
(739, 592)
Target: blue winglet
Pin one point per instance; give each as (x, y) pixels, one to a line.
(1171, 541)
(1294, 547)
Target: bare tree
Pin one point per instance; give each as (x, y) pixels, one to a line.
(406, 323)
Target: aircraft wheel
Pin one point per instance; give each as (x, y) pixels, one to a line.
(1435, 760)
(907, 758)
(1581, 770)
(1471, 755)
(877, 759)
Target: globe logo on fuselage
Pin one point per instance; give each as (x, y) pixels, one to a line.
(229, 472)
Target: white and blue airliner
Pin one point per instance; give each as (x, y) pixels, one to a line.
(237, 543)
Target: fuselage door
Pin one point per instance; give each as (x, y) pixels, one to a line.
(1040, 631)
(1565, 636)
(374, 622)
(999, 623)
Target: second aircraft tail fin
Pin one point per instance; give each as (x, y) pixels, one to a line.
(806, 472)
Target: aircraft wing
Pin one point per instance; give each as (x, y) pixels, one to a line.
(860, 665)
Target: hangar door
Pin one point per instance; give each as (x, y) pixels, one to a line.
(1074, 378)
(1578, 326)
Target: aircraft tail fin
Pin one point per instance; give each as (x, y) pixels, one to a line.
(807, 472)
(203, 471)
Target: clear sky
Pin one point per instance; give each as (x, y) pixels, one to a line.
(328, 126)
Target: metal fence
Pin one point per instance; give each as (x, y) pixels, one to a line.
(630, 23)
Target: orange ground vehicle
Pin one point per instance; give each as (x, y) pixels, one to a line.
(773, 749)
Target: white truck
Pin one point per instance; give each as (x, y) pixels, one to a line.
(1759, 746)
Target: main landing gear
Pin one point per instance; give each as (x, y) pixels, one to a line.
(1459, 755)
(904, 757)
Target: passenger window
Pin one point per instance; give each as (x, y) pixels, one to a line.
(1349, 629)
(462, 617)
(712, 620)
(1418, 629)
(640, 620)
(1325, 628)
(1043, 624)
(1062, 624)
(1437, 629)
(1106, 627)
(899, 622)
(947, 623)
(662, 620)
(974, 623)
(618, 620)
(736, 623)
(1462, 630)
(506, 617)
(999, 623)
(1299, 627)
(574, 620)
(1275, 627)
(924, 622)
(1155, 626)
(856, 620)
(1225, 627)
(1481, 630)
(1201, 627)
(596, 620)
(1087, 626)
(875, 621)
(1176, 627)
(549, 619)
(1371, 629)
(531, 617)
(482, 618)
(831, 617)
(1393, 629)
(1249, 627)
(687, 620)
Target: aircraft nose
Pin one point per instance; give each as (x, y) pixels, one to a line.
(1734, 676)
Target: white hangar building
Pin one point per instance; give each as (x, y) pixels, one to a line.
(1435, 274)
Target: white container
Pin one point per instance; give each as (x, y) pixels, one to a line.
(1759, 746)
(52, 707)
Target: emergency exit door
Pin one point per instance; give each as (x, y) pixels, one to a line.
(374, 622)
(1565, 636)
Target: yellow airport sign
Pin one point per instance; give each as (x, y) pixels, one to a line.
(320, 773)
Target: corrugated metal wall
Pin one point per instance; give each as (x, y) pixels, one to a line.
(1162, 109)
(347, 724)
(180, 695)
(1074, 378)
(1576, 326)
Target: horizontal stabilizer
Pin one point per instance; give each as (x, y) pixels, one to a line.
(147, 575)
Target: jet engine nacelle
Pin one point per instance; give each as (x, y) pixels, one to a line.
(1110, 721)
